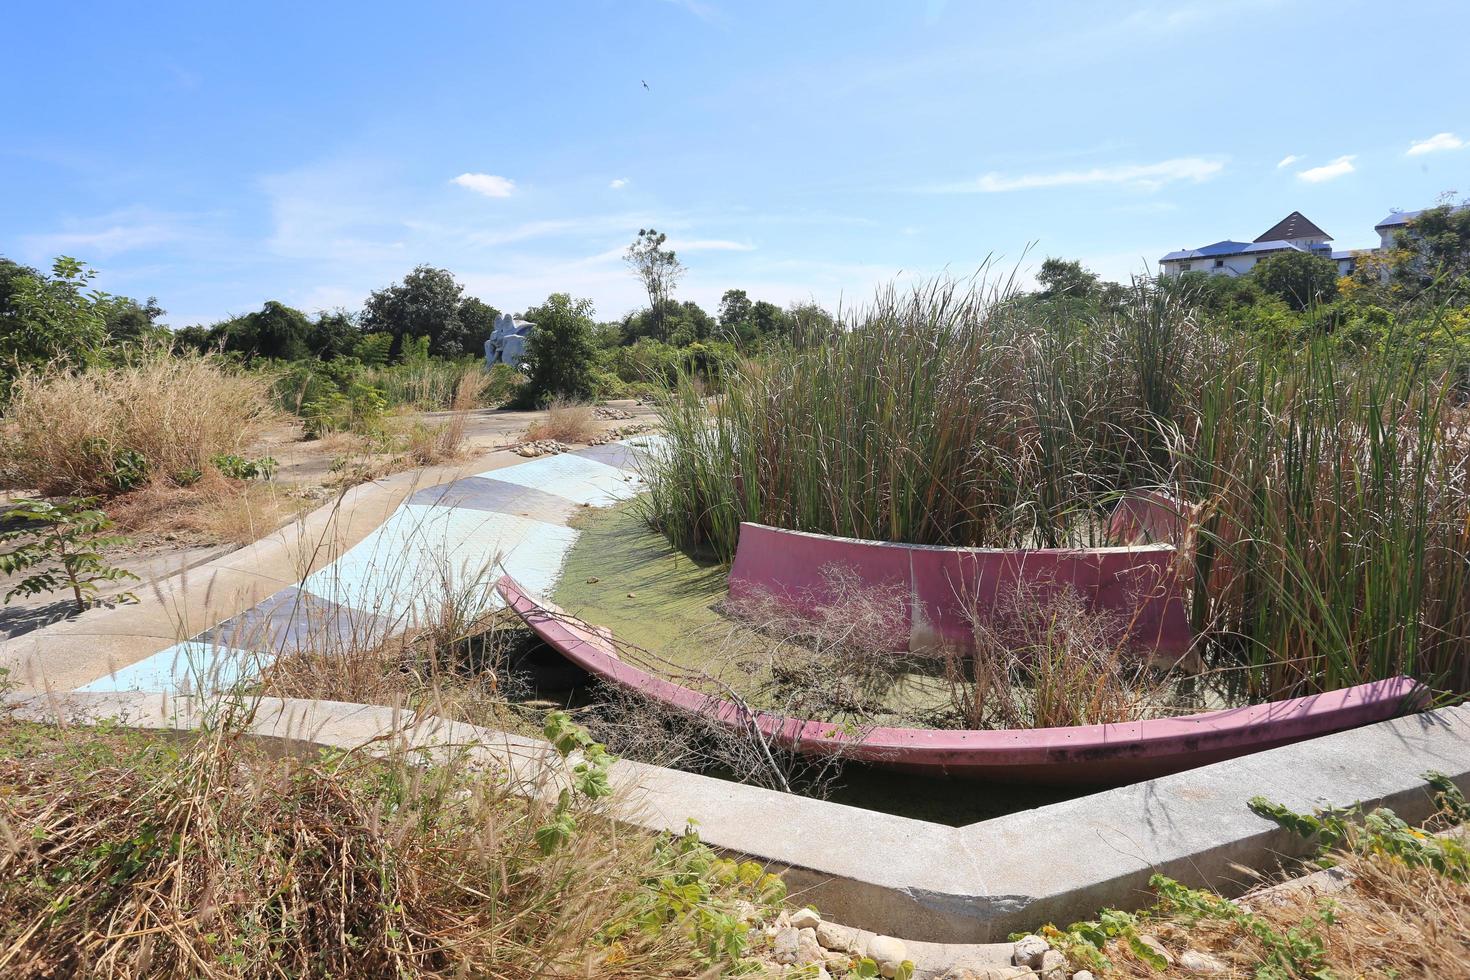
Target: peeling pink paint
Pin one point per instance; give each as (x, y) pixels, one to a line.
(1140, 584)
(1084, 754)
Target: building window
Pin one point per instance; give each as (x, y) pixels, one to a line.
(1183, 266)
(1219, 263)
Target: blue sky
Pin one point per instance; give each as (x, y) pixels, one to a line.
(219, 155)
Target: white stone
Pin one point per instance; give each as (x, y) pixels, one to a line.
(1029, 951)
(1083, 975)
(787, 947)
(887, 952)
(835, 937)
(1153, 943)
(808, 950)
(1200, 963)
(805, 918)
(990, 972)
(1053, 966)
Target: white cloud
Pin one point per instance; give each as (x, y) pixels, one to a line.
(710, 245)
(1288, 160)
(1149, 176)
(618, 183)
(1439, 141)
(1329, 171)
(487, 184)
(125, 230)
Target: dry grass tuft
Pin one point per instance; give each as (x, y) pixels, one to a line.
(143, 856)
(1049, 663)
(215, 509)
(566, 421)
(69, 433)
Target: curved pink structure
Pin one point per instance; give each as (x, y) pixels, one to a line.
(1082, 755)
(1140, 584)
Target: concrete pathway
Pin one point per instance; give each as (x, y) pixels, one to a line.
(381, 558)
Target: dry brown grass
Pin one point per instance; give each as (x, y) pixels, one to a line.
(566, 421)
(1390, 920)
(213, 509)
(65, 431)
(1047, 663)
(129, 856)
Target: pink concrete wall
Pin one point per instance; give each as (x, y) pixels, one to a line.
(1084, 754)
(1138, 584)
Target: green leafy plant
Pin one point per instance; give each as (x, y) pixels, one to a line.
(62, 546)
(1381, 831)
(241, 468)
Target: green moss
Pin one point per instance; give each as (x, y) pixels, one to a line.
(625, 576)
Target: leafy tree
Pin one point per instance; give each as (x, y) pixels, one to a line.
(477, 322)
(275, 330)
(193, 338)
(809, 323)
(1433, 252)
(735, 307)
(51, 318)
(61, 545)
(682, 323)
(1299, 279)
(1060, 277)
(658, 268)
(768, 320)
(333, 335)
(561, 356)
(425, 304)
(129, 322)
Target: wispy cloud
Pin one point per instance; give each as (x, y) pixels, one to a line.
(125, 230)
(1329, 171)
(710, 245)
(618, 183)
(1288, 160)
(1146, 176)
(488, 184)
(1435, 143)
(706, 12)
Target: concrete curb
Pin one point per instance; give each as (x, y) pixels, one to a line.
(910, 878)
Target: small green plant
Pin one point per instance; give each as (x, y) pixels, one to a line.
(62, 545)
(241, 468)
(1381, 831)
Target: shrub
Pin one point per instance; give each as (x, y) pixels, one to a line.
(61, 548)
(560, 354)
(104, 430)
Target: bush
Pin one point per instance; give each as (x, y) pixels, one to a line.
(566, 421)
(561, 357)
(105, 430)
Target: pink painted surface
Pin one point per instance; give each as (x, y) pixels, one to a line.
(1140, 585)
(1085, 754)
(1151, 517)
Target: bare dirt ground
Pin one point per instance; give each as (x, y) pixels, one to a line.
(308, 472)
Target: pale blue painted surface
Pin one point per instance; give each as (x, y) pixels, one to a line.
(194, 666)
(583, 481)
(400, 568)
(397, 572)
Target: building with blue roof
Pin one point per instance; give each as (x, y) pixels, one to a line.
(1293, 233)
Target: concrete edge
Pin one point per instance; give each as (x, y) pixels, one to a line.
(905, 877)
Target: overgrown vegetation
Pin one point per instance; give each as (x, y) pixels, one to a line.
(205, 856)
(1333, 486)
(1397, 906)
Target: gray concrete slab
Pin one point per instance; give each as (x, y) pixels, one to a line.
(910, 878)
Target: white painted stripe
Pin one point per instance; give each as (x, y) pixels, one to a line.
(575, 478)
